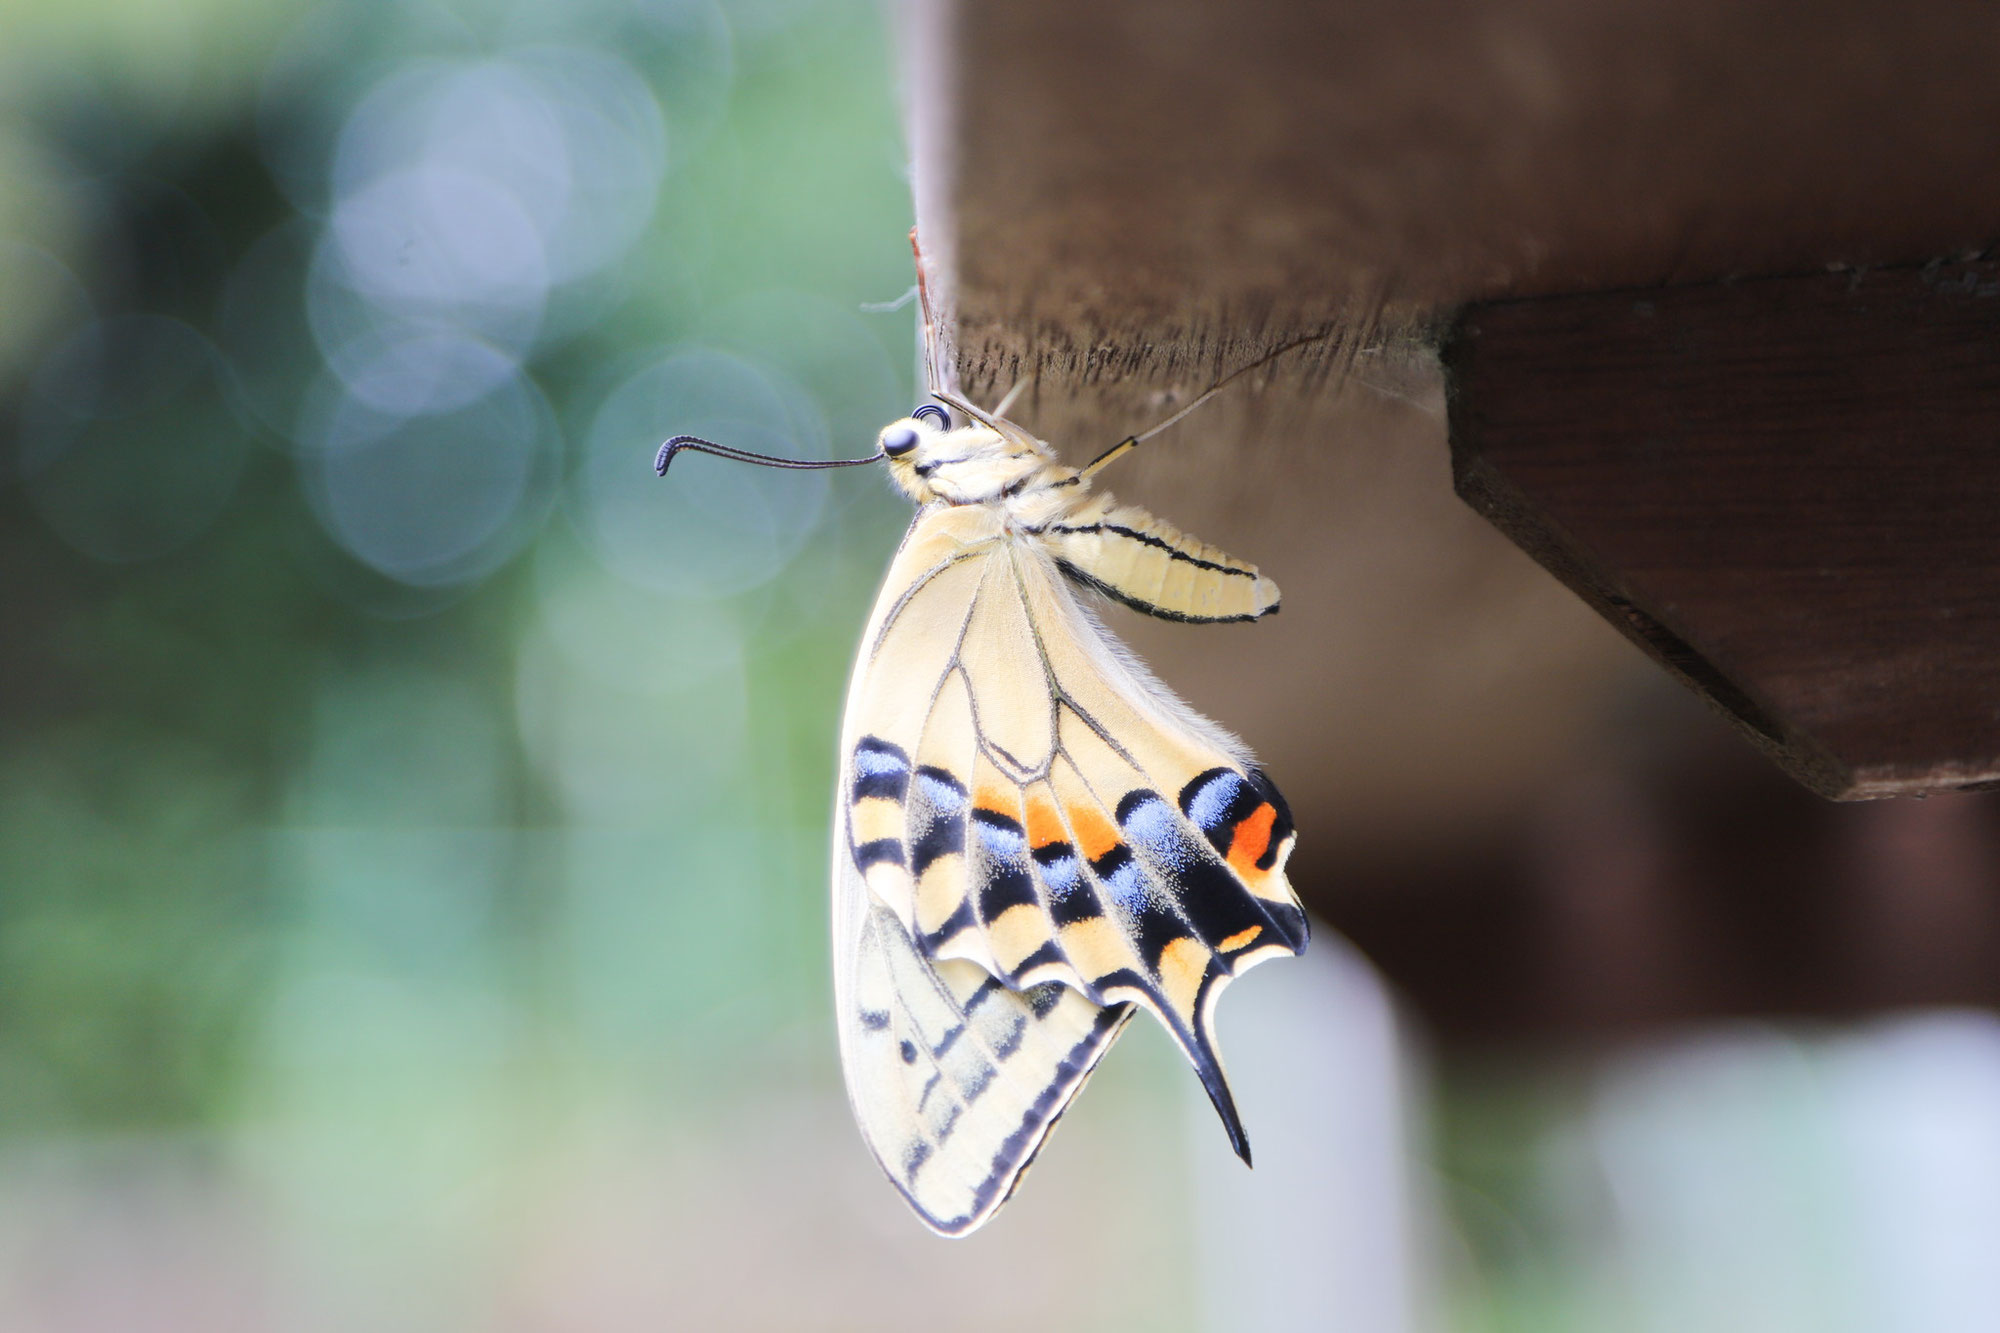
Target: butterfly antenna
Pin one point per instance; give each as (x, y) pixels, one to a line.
(994, 421)
(1131, 442)
(665, 457)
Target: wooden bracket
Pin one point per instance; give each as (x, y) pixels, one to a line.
(1786, 490)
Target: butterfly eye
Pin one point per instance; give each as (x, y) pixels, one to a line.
(932, 412)
(898, 440)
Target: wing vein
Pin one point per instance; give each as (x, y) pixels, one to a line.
(918, 584)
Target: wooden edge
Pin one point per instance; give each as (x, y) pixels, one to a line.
(1502, 504)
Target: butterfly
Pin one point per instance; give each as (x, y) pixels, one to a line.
(1033, 837)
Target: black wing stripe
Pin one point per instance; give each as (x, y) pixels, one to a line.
(1017, 1151)
(1213, 900)
(1119, 595)
(1147, 539)
(880, 769)
(937, 817)
(1070, 896)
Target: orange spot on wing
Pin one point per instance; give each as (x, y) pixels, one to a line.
(1251, 839)
(1239, 939)
(998, 801)
(1095, 835)
(1044, 820)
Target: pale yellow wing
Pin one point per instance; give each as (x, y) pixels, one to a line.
(1152, 566)
(955, 1078)
(1032, 835)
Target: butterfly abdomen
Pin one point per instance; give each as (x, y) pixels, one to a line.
(1154, 567)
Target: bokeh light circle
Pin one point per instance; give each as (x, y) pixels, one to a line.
(436, 499)
(712, 527)
(573, 137)
(440, 241)
(615, 141)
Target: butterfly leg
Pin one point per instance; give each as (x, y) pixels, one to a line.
(1131, 442)
(1008, 399)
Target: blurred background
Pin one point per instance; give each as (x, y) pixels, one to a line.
(413, 814)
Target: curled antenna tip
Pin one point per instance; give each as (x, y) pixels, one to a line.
(665, 457)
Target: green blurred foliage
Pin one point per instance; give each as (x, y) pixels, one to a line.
(248, 762)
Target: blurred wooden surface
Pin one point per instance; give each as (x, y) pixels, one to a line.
(1123, 202)
(1690, 882)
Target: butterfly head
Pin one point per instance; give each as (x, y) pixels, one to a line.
(931, 460)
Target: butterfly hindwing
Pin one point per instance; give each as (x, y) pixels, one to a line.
(957, 1079)
(1034, 837)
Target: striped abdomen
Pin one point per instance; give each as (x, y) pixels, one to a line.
(1152, 566)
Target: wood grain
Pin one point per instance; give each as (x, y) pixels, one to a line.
(1121, 202)
(1121, 190)
(1786, 490)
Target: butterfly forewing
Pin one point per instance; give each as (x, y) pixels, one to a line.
(1032, 836)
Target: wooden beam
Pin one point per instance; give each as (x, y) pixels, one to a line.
(1125, 190)
(1786, 490)
(1122, 201)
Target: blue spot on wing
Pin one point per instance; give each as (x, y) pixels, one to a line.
(1062, 877)
(1007, 882)
(938, 812)
(1206, 891)
(1124, 877)
(941, 789)
(1151, 825)
(1217, 801)
(1000, 835)
(1207, 799)
(880, 769)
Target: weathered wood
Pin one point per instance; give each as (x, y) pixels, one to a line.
(1786, 490)
(1124, 191)
(1125, 200)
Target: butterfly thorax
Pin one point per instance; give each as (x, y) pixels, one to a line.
(1049, 508)
(982, 465)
